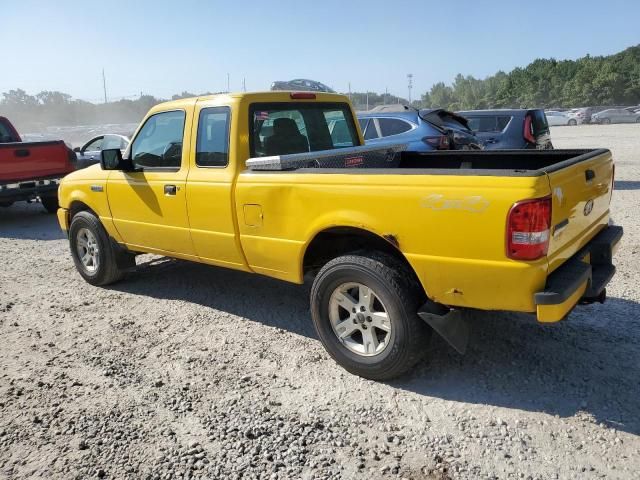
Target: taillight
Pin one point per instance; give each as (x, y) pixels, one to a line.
(439, 142)
(302, 96)
(613, 177)
(528, 130)
(528, 229)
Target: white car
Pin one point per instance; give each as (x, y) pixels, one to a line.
(561, 118)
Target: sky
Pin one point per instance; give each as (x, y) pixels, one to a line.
(164, 47)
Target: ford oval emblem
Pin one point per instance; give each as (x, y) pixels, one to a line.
(588, 207)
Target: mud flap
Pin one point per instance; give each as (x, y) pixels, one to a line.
(449, 324)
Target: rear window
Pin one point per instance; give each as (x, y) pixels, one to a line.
(6, 135)
(444, 119)
(286, 128)
(492, 123)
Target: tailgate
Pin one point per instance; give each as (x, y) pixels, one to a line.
(581, 192)
(34, 160)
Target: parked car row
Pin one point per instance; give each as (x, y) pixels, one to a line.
(439, 129)
(421, 130)
(615, 115)
(596, 114)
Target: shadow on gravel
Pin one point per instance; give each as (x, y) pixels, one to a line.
(627, 185)
(588, 363)
(257, 298)
(28, 221)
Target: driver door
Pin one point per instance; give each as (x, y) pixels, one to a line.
(90, 152)
(148, 206)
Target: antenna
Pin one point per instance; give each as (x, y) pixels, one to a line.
(228, 88)
(244, 85)
(104, 86)
(410, 86)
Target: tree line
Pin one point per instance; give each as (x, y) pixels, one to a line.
(549, 83)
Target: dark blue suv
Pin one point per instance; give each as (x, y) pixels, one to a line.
(423, 130)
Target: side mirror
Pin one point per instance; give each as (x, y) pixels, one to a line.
(77, 149)
(111, 159)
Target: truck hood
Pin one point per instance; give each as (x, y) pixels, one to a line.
(94, 172)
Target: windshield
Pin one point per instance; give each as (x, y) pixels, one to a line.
(286, 128)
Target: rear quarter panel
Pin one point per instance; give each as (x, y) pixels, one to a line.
(451, 228)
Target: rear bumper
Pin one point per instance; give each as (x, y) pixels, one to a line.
(28, 190)
(582, 278)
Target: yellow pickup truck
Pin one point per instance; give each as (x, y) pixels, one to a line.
(397, 243)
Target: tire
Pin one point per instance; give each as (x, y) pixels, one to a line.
(606, 121)
(86, 228)
(50, 203)
(572, 123)
(391, 290)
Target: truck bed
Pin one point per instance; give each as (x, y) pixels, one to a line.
(394, 159)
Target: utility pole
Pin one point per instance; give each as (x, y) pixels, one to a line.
(349, 91)
(367, 99)
(386, 92)
(410, 79)
(104, 86)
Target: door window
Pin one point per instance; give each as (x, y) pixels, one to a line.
(213, 137)
(159, 142)
(94, 145)
(111, 141)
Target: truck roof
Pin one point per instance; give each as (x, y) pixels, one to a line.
(266, 96)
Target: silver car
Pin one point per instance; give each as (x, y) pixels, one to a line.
(615, 115)
(561, 118)
(89, 153)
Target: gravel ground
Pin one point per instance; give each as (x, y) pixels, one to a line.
(187, 371)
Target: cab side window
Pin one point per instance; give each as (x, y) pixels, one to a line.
(213, 137)
(159, 142)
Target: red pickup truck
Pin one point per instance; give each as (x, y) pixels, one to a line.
(31, 170)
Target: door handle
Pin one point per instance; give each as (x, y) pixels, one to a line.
(22, 152)
(170, 189)
(589, 175)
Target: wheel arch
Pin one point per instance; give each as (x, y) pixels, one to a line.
(336, 241)
(77, 206)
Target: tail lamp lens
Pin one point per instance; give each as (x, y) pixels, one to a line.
(528, 229)
(439, 142)
(528, 130)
